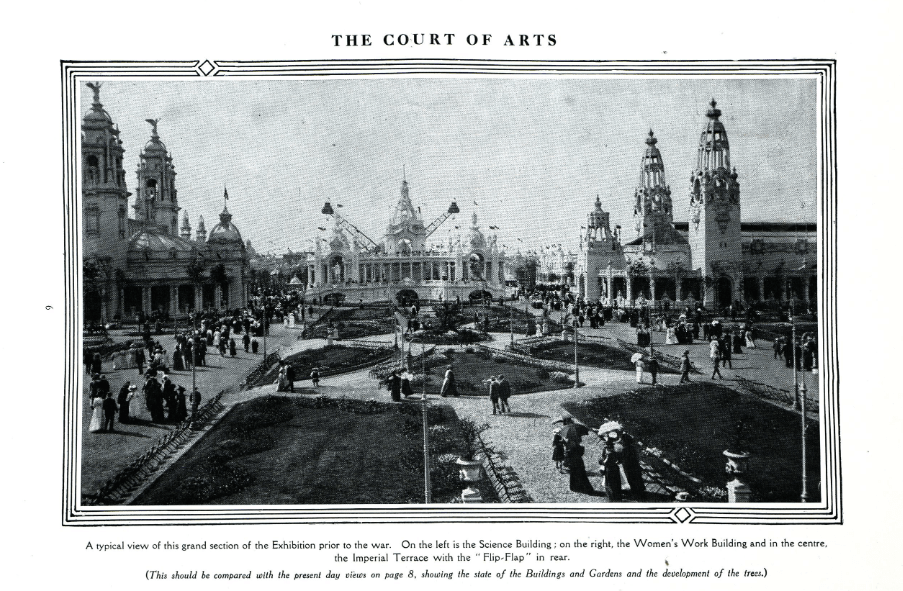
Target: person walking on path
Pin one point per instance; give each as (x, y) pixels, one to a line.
(394, 384)
(246, 341)
(493, 393)
(96, 424)
(232, 348)
(715, 356)
(448, 384)
(652, 366)
(96, 363)
(109, 412)
(406, 389)
(685, 367)
(504, 393)
(195, 403)
(726, 352)
(123, 399)
(558, 449)
(290, 377)
(778, 348)
(315, 377)
(640, 365)
(579, 481)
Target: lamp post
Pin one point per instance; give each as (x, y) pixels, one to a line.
(424, 405)
(576, 363)
(804, 496)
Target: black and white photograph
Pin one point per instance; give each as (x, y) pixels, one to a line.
(498, 294)
(591, 289)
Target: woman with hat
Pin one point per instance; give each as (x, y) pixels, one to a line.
(126, 393)
(558, 449)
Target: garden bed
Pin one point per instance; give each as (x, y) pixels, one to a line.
(471, 368)
(693, 424)
(331, 360)
(592, 354)
(278, 450)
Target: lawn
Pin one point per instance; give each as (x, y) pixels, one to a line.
(330, 360)
(594, 354)
(693, 424)
(278, 450)
(472, 368)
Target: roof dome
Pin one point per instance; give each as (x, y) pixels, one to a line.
(149, 240)
(225, 232)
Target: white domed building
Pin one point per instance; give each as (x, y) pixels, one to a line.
(404, 266)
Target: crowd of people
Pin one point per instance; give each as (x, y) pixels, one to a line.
(619, 461)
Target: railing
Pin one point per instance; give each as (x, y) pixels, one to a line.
(121, 486)
(780, 395)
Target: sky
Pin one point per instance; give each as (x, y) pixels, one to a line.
(527, 154)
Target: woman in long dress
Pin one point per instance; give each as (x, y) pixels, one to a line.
(579, 481)
(671, 338)
(96, 425)
(448, 384)
(123, 399)
(750, 339)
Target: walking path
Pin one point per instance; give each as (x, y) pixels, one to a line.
(522, 438)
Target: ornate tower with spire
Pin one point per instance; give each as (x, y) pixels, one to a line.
(104, 208)
(714, 231)
(201, 234)
(156, 202)
(653, 213)
(185, 231)
(406, 230)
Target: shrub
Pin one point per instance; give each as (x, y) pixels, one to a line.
(559, 377)
(542, 373)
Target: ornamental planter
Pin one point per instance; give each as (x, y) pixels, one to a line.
(737, 466)
(471, 472)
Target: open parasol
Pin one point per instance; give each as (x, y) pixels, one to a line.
(636, 357)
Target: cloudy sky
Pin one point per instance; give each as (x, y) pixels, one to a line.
(527, 154)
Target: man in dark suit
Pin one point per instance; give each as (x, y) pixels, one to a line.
(290, 377)
(109, 412)
(169, 395)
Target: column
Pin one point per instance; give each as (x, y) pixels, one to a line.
(608, 286)
(629, 295)
(145, 299)
(806, 287)
(652, 289)
(218, 296)
(783, 294)
(761, 279)
(198, 297)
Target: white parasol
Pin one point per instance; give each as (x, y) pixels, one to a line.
(636, 357)
(608, 427)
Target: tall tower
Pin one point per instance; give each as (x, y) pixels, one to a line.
(406, 231)
(185, 231)
(715, 215)
(201, 233)
(156, 202)
(653, 213)
(104, 209)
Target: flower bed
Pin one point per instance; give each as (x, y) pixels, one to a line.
(693, 424)
(278, 450)
(331, 360)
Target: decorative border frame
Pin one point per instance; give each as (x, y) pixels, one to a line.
(828, 511)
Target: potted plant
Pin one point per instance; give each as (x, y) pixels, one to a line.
(471, 468)
(737, 467)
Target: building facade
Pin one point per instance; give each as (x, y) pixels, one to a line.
(148, 263)
(403, 265)
(714, 258)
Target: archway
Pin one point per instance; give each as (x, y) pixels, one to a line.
(723, 292)
(406, 297)
(333, 299)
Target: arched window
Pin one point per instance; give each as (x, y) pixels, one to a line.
(151, 188)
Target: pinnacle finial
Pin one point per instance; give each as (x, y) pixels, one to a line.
(95, 86)
(153, 123)
(714, 112)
